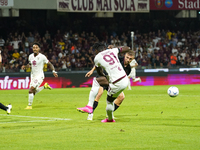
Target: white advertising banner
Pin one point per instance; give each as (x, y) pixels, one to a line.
(6, 3)
(103, 6)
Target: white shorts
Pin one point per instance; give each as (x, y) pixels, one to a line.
(36, 82)
(132, 74)
(115, 89)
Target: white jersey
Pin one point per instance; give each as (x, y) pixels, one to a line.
(133, 63)
(37, 64)
(108, 60)
(133, 72)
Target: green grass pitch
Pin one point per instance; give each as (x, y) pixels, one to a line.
(148, 119)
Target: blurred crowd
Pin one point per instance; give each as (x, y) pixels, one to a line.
(70, 50)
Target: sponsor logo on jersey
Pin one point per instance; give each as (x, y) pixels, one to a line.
(34, 63)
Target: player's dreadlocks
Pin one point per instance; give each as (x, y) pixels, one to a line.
(98, 46)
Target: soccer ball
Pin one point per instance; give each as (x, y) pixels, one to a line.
(173, 91)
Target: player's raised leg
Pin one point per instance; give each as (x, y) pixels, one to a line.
(6, 108)
(47, 86)
(137, 79)
(94, 91)
(9, 108)
(103, 82)
(2, 106)
(96, 102)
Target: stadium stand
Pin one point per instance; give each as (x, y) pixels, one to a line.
(71, 49)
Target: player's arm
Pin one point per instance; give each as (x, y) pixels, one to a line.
(122, 49)
(52, 68)
(100, 71)
(88, 74)
(111, 46)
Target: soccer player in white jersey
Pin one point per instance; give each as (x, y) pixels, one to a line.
(37, 61)
(3, 107)
(118, 80)
(132, 75)
(103, 80)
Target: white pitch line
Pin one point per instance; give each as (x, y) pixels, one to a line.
(26, 121)
(36, 117)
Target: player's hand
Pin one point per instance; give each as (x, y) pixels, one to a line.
(89, 73)
(55, 74)
(111, 46)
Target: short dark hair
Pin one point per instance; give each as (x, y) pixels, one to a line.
(98, 46)
(131, 53)
(36, 43)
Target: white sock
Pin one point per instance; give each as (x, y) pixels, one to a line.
(136, 79)
(93, 92)
(129, 84)
(39, 89)
(110, 109)
(30, 99)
